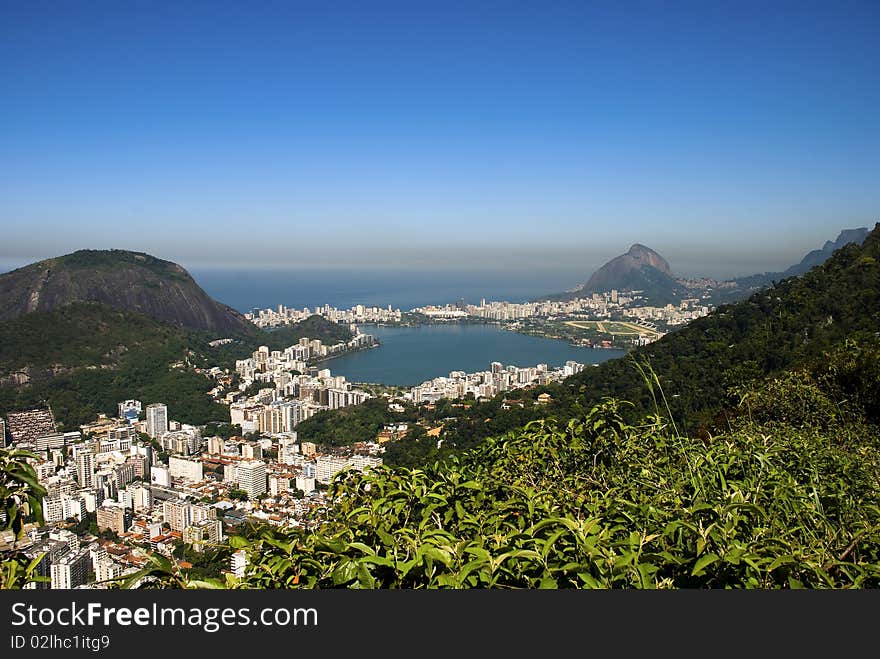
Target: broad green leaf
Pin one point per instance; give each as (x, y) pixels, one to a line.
(703, 562)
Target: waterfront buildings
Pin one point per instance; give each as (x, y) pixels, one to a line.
(293, 392)
(596, 307)
(357, 314)
(486, 384)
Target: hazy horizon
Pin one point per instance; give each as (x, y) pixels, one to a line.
(731, 139)
(568, 267)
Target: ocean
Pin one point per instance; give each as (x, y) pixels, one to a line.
(245, 290)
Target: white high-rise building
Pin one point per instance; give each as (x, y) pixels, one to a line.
(159, 476)
(200, 511)
(85, 466)
(125, 499)
(287, 449)
(278, 485)
(327, 466)
(178, 514)
(60, 508)
(305, 484)
(92, 499)
(107, 569)
(251, 477)
(71, 570)
(157, 419)
(238, 563)
(188, 469)
(251, 451)
(141, 497)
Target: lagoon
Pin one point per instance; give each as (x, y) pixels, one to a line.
(411, 355)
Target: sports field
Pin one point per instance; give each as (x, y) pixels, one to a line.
(614, 327)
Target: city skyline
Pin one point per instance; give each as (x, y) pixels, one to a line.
(450, 135)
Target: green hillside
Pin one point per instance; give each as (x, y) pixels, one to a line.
(792, 323)
(85, 357)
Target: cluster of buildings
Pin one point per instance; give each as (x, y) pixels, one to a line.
(292, 391)
(271, 366)
(357, 314)
(487, 384)
(686, 311)
(123, 487)
(614, 304)
(598, 306)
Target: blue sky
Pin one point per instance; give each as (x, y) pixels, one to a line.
(731, 137)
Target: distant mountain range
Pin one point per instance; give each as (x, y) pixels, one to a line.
(123, 280)
(819, 256)
(744, 286)
(644, 270)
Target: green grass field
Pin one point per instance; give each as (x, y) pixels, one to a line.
(615, 328)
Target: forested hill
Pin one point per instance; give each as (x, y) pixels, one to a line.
(85, 357)
(88, 329)
(793, 322)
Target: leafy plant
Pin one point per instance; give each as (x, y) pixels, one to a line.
(595, 502)
(21, 498)
(20, 492)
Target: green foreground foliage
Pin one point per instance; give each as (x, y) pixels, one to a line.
(593, 503)
(787, 497)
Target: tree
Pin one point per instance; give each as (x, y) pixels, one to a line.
(223, 430)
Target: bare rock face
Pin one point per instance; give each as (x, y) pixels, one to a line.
(641, 267)
(130, 281)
